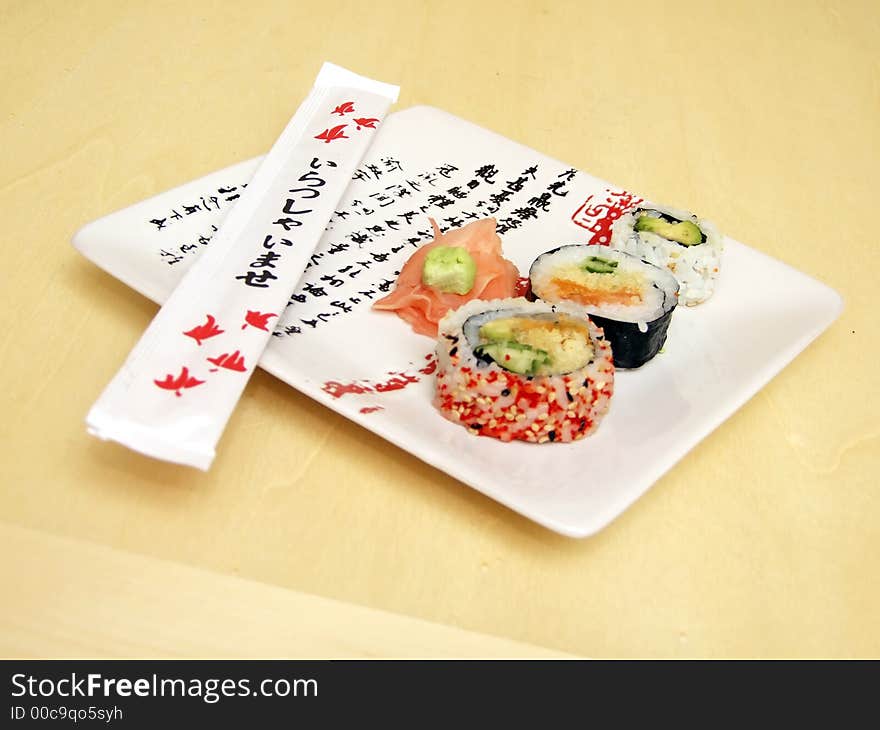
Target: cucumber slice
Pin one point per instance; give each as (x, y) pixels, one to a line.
(598, 265)
(513, 356)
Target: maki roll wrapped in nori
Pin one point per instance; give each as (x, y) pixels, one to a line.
(631, 299)
(518, 370)
(688, 246)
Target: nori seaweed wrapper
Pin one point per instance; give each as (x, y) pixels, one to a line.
(630, 347)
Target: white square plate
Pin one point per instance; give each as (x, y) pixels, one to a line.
(373, 369)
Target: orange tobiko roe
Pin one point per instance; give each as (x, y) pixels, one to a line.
(424, 306)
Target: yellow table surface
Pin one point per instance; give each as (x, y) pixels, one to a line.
(763, 541)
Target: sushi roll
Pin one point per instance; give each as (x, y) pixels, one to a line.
(631, 299)
(686, 245)
(518, 370)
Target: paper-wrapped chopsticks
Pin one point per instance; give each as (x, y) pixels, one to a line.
(177, 389)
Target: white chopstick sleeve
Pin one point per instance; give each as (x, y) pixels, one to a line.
(177, 389)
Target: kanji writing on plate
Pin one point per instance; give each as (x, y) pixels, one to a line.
(386, 216)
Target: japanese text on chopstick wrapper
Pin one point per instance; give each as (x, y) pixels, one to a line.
(259, 272)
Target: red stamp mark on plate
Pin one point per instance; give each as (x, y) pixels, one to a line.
(597, 216)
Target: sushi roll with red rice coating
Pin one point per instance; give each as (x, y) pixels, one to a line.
(518, 370)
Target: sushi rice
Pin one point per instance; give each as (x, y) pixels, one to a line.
(631, 299)
(489, 400)
(696, 266)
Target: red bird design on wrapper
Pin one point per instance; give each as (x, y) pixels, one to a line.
(257, 319)
(328, 135)
(229, 361)
(181, 382)
(600, 216)
(344, 108)
(204, 331)
(368, 122)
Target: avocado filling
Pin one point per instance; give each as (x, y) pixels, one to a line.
(449, 269)
(536, 346)
(684, 232)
